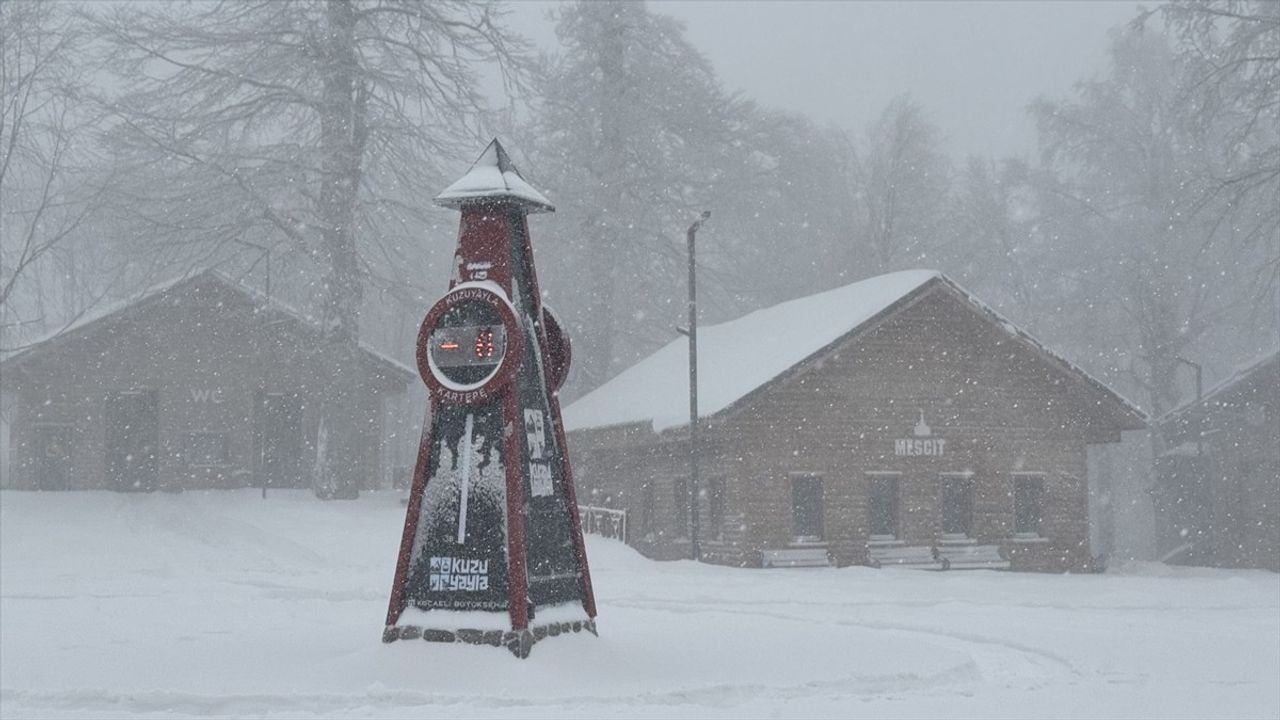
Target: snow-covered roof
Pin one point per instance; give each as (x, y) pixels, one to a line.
(493, 177)
(739, 356)
(96, 313)
(107, 310)
(1240, 374)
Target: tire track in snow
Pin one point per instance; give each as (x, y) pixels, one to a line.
(379, 702)
(994, 667)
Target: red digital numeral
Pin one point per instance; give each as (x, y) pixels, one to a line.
(484, 344)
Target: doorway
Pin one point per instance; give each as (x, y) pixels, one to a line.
(882, 505)
(51, 451)
(806, 508)
(957, 505)
(133, 439)
(277, 440)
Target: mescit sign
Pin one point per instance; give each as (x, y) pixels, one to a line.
(922, 445)
(492, 549)
(915, 447)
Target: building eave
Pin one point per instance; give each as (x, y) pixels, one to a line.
(15, 363)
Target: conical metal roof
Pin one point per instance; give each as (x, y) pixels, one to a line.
(493, 178)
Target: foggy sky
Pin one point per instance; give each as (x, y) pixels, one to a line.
(974, 66)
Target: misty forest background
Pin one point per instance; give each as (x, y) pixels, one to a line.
(144, 141)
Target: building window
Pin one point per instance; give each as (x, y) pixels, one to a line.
(206, 448)
(882, 506)
(680, 501)
(806, 508)
(957, 505)
(715, 508)
(1028, 504)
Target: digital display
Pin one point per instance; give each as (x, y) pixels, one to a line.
(468, 345)
(466, 340)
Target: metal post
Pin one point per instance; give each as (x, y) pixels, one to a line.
(266, 312)
(266, 253)
(694, 549)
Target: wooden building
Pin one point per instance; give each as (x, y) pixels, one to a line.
(1217, 494)
(197, 383)
(894, 420)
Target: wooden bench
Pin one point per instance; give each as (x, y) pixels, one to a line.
(895, 553)
(795, 557)
(949, 554)
(972, 556)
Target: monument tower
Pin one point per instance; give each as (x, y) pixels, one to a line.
(492, 549)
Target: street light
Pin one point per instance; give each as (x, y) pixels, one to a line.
(693, 390)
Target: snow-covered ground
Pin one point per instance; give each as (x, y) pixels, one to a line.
(221, 603)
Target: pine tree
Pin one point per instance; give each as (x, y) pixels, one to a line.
(632, 129)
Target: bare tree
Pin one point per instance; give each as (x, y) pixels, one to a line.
(990, 243)
(1130, 167)
(904, 179)
(45, 191)
(1231, 52)
(317, 128)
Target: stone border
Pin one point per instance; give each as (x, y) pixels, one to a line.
(519, 642)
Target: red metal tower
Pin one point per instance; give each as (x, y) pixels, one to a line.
(492, 549)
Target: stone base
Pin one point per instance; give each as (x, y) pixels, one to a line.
(519, 642)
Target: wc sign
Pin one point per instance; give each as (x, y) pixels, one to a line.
(922, 445)
(206, 395)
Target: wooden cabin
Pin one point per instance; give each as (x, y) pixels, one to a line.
(1217, 494)
(197, 383)
(897, 420)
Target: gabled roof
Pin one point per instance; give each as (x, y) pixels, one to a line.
(739, 357)
(1240, 377)
(493, 177)
(156, 294)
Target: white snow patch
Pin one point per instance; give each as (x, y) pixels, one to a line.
(223, 604)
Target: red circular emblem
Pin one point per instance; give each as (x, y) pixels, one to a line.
(470, 344)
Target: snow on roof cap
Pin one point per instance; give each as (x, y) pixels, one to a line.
(493, 177)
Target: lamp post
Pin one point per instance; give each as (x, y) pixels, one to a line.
(262, 449)
(694, 550)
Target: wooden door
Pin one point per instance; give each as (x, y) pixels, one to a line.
(277, 440)
(51, 469)
(133, 440)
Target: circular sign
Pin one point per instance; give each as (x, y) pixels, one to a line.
(470, 344)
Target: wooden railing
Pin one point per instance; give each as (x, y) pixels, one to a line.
(605, 522)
